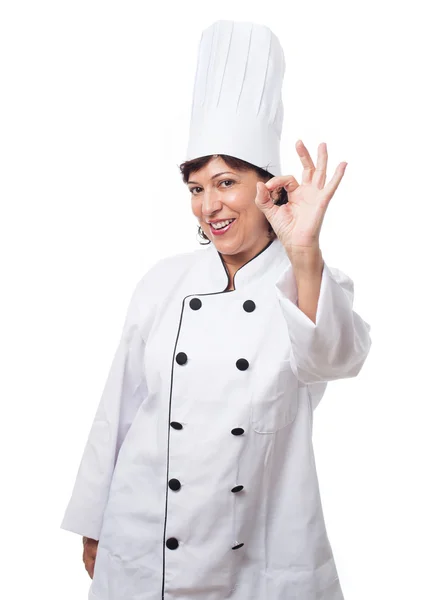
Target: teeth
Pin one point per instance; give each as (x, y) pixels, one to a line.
(221, 224)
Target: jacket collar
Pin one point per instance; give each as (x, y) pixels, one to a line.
(269, 261)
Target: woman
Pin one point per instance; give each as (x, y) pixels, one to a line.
(198, 479)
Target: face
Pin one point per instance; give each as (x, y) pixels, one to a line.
(218, 193)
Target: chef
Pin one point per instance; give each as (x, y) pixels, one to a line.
(198, 479)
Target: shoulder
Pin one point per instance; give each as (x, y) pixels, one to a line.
(164, 273)
(153, 287)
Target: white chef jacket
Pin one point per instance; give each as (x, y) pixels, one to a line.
(198, 477)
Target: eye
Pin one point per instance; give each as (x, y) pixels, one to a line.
(230, 181)
(226, 181)
(194, 188)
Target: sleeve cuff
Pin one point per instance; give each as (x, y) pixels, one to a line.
(336, 346)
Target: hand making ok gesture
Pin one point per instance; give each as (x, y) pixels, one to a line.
(298, 223)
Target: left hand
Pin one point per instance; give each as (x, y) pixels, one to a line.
(298, 223)
(90, 548)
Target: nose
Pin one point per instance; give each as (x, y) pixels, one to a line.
(211, 202)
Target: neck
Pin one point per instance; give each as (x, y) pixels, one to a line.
(234, 262)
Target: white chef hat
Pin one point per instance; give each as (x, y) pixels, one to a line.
(237, 104)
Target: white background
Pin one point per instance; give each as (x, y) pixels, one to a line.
(94, 107)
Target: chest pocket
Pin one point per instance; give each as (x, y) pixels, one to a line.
(274, 400)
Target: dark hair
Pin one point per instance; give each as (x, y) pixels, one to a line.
(189, 166)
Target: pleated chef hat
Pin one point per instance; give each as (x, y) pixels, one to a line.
(237, 104)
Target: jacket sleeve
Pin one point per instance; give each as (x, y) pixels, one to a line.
(124, 391)
(336, 346)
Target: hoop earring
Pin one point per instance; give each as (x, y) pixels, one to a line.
(202, 235)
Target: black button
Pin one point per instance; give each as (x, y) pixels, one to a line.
(237, 488)
(237, 431)
(195, 303)
(176, 425)
(249, 306)
(172, 543)
(242, 364)
(181, 358)
(174, 484)
(237, 546)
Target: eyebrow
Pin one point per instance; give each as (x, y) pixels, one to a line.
(214, 176)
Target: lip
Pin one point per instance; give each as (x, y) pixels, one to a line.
(218, 220)
(217, 232)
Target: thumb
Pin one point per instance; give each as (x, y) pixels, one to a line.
(263, 199)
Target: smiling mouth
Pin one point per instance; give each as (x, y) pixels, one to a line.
(217, 233)
(220, 228)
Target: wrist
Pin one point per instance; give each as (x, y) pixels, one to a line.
(307, 259)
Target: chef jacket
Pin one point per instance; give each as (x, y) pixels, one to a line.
(198, 477)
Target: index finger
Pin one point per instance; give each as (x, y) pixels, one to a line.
(280, 181)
